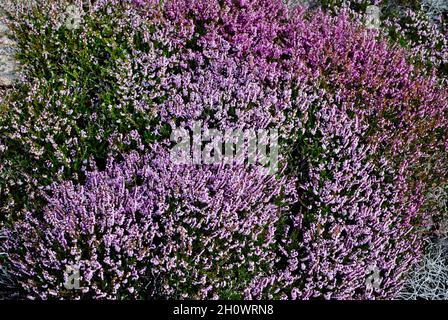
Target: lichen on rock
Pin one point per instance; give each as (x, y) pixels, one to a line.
(8, 64)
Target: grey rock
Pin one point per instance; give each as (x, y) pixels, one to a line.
(3, 30)
(8, 65)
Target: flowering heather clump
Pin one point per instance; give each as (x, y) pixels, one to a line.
(100, 228)
(421, 26)
(362, 137)
(72, 103)
(119, 88)
(373, 171)
(405, 108)
(358, 220)
(352, 218)
(148, 228)
(427, 41)
(226, 67)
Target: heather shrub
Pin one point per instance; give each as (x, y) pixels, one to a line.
(146, 228)
(71, 106)
(99, 228)
(420, 26)
(372, 151)
(227, 65)
(354, 215)
(124, 77)
(426, 40)
(405, 108)
(362, 150)
(362, 134)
